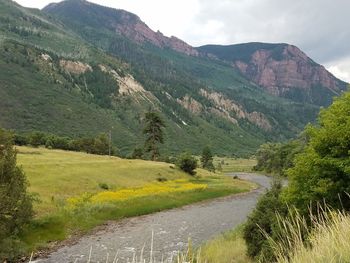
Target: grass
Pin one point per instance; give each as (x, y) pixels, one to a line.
(58, 176)
(235, 164)
(328, 240)
(230, 247)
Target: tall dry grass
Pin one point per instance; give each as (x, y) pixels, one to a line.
(327, 241)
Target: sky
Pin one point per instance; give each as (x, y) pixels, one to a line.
(321, 28)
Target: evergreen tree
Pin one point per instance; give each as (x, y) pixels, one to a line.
(207, 159)
(154, 132)
(15, 203)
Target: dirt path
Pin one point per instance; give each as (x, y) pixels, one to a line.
(171, 229)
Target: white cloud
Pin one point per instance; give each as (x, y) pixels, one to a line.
(340, 68)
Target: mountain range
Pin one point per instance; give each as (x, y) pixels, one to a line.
(77, 69)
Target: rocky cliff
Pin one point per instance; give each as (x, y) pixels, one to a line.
(282, 69)
(119, 21)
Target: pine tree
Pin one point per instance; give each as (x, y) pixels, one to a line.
(207, 159)
(154, 132)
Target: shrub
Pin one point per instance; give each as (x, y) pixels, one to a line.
(103, 186)
(263, 220)
(137, 153)
(187, 163)
(36, 139)
(161, 179)
(16, 205)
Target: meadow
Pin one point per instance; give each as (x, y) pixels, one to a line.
(229, 164)
(77, 191)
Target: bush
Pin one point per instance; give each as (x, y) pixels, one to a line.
(36, 139)
(16, 205)
(137, 153)
(187, 163)
(262, 220)
(103, 186)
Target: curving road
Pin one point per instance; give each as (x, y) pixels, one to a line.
(171, 229)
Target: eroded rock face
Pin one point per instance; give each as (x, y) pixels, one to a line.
(191, 104)
(291, 69)
(233, 111)
(128, 86)
(138, 31)
(75, 67)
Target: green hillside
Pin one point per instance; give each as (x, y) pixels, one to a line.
(203, 101)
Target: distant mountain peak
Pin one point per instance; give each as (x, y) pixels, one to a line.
(282, 69)
(118, 21)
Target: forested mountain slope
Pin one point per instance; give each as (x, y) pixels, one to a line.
(78, 69)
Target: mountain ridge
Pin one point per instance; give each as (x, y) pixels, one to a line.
(109, 78)
(281, 69)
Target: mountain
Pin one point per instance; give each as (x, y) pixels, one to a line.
(77, 68)
(118, 21)
(282, 70)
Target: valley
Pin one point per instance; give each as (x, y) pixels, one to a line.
(119, 142)
(65, 71)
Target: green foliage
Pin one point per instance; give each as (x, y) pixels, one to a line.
(207, 159)
(137, 153)
(103, 186)
(95, 145)
(219, 167)
(36, 139)
(187, 163)
(276, 158)
(16, 204)
(322, 171)
(101, 145)
(263, 220)
(154, 133)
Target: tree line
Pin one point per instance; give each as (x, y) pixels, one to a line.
(94, 145)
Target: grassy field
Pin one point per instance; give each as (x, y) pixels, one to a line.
(234, 165)
(57, 175)
(79, 191)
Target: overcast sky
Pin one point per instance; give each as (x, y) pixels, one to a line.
(321, 28)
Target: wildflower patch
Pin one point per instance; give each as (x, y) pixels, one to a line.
(152, 189)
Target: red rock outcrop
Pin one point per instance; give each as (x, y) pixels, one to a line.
(133, 28)
(291, 69)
